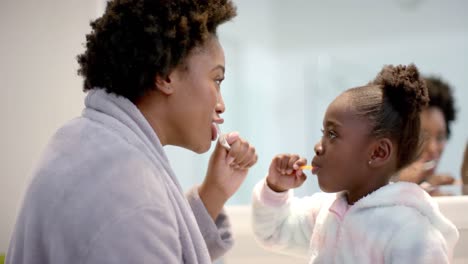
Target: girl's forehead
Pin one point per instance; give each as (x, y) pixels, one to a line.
(342, 113)
(341, 105)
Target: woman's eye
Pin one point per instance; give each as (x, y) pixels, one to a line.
(441, 138)
(219, 81)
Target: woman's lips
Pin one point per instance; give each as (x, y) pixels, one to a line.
(214, 132)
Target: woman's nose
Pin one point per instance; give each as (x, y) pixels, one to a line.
(434, 146)
(318, 148)
(220, 107)
(431, 146)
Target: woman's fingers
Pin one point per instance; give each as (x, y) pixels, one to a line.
(243, 153)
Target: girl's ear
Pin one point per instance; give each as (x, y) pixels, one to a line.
(381, 152)
(163, 84)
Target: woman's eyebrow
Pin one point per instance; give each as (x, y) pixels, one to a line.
(219, 66)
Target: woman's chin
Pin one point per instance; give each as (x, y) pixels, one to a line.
(196, 147)
(201, 148)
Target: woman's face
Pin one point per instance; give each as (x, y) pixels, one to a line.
(435, 134)
(342, 153)
(197, 97)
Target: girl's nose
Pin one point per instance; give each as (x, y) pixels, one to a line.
(318, 148)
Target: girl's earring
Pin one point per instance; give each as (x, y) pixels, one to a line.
(370, 162)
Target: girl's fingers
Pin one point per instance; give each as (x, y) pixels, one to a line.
(288, 163)
(283, 163)
(300, 162)
(292, 159)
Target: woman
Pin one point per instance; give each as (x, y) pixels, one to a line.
(104, 191)
(464, 169)
(435, 123)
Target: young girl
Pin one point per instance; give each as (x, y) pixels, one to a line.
(369, 133)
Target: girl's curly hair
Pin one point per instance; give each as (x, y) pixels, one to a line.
(393, 102)
(135, 40)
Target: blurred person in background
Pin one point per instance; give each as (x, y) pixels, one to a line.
(436, 120)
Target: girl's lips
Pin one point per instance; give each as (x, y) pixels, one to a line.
(315, 169)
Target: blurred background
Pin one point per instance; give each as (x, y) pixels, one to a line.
(286, 61)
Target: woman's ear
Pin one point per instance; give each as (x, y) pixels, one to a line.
(381, 152)
(163, 84)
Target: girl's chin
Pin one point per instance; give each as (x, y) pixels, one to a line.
(327, 187)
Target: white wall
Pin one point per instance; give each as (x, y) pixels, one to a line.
(285, 63)
(39, 85)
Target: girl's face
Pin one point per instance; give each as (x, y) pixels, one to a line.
(342, 154)
(435, 134)
(197, 97)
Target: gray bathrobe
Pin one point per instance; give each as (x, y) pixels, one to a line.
(104, 192)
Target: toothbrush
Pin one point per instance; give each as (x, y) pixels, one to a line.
(222, 138)
(429, 165)
(306, 167)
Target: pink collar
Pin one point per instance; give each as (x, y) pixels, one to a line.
(340, 206)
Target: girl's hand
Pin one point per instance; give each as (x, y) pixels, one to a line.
(285, 172)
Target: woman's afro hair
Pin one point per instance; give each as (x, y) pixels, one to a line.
(136, 40)
(440, 95)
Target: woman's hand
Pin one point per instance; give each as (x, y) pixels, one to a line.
(226, 172)
(440, 179)
(415, 172)
(285, 172)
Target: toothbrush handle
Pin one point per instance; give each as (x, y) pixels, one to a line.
(222, 139)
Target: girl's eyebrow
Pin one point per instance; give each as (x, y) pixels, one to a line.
(332, 123)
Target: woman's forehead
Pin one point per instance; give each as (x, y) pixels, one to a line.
(209, 54)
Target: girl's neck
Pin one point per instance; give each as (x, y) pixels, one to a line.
(359, 192)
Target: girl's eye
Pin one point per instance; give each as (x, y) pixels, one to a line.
(329, 134)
